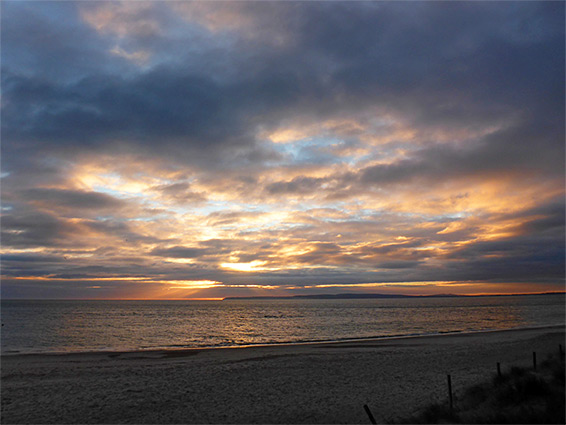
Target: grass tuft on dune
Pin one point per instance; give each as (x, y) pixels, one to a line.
(521, 396)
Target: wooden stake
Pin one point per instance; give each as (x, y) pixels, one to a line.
(371, 418)
(450, 391)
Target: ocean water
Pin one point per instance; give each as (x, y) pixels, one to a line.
(83, 326)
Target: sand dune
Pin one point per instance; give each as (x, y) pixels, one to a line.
(310, 383)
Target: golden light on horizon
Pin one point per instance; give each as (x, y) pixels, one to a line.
(191, 284)
(252, 266)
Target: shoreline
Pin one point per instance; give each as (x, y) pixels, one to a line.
(157, 350)
(300, 383)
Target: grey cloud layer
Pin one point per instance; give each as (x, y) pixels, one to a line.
(212, 79)
(467, 70)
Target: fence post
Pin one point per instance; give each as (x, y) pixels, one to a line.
(450, 392)
(371, 418)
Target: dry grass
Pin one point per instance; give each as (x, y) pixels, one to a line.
(522, 396)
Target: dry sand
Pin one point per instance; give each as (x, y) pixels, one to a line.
(314, 383)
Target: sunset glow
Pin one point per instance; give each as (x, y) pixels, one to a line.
(211, 149)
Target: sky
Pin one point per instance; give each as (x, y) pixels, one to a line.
(163, 150)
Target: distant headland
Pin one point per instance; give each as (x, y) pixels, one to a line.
(354, 296)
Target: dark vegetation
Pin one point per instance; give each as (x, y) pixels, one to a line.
(521, 396)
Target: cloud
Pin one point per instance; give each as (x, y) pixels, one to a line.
(36, 229)
(179, 252)
(74, 199)
(180, 192)
(296, 143)
(299, 185)
(518, 150)
(122, 18)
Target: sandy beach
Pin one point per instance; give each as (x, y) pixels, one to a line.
(311, 383)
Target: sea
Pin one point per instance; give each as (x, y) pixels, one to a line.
(49, 326)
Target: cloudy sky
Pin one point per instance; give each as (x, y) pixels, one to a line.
(207, 149)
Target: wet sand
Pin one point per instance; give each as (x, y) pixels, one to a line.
(310, 383)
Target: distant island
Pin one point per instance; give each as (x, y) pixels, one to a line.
(354, 296)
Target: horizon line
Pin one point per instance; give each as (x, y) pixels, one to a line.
(294, 296)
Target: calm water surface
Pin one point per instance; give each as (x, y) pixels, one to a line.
(67, 326)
